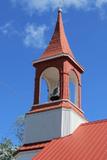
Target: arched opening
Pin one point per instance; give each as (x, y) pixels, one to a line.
(73, 88)
(49, 85)
(43, 91)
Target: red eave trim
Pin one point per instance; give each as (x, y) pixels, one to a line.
(32, 146)
(58, 56)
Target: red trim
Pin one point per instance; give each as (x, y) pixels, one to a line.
(32, 146)
(55, 105)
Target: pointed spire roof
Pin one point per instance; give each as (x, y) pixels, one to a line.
(59, 43)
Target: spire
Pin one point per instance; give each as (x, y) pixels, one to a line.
(59, 43)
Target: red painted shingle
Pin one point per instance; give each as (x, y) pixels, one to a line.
(59, 43)
(88, 142)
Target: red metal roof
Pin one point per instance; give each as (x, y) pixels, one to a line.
(88, 142)
(59, 43)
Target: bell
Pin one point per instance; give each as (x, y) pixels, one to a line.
(55, 94)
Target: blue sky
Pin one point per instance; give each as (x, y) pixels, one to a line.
(25, 29)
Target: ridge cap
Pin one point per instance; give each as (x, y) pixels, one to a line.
(94, 122)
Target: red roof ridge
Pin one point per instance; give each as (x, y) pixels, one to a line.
(83, 124)
(59, 43)
(94, 122)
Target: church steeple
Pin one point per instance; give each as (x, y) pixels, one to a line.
(59, 43)
(61, 112)
(58, 67)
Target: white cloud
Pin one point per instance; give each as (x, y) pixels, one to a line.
(43, 5)
(8, 29)
(101, 3)
(69, 3)
(32, 35)
(35, 36)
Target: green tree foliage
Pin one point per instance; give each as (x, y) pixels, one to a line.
(7, 150)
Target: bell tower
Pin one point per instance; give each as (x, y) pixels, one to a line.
(58, 67)
(62, 113)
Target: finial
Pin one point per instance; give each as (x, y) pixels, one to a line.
(59, 9)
